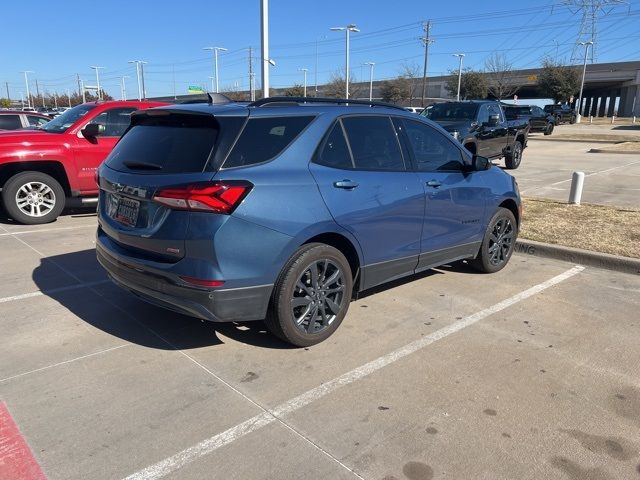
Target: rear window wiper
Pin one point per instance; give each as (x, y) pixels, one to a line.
(142, 165)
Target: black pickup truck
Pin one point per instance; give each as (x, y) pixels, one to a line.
(563, 113)
(481, 126)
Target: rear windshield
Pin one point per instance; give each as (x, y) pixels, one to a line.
(264, 138)
(165, 144)
(452, 111)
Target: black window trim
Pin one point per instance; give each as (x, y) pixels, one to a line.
(315, 157)
(314, 117)
(464, 153)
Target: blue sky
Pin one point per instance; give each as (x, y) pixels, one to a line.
(60, 39)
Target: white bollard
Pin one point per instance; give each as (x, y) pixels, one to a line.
(577, 182)
(634, 119)
(613, 119)
(591, 119)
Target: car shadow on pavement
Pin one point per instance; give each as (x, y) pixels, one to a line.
(70, 212)
(121, 314)
(627, 127)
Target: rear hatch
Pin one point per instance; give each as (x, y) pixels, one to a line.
(164, 153)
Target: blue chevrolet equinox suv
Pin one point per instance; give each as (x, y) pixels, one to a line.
(285, 208)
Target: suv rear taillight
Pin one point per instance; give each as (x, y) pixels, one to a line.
(215, 197)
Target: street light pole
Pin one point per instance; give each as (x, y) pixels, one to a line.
(264, 34)
(460, 56)
(348, 29)
(304, 70)
(215, 51)
(138, 62)
(26, 82)
(371, 65)
(97, 69)
(584, 72)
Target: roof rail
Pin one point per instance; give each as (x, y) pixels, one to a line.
(301, 100)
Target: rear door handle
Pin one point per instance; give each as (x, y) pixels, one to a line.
(433, 183)
(346, 184)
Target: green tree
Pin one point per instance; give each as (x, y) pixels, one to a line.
(395, 91)
(473, 85)
(5, 103)
(295, 91)
(557, 81)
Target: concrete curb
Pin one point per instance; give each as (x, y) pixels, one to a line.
(605, 150)
(579, 256)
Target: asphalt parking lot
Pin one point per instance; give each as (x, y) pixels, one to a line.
(526, 374)
(547, 166)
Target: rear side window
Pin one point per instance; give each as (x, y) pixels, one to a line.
(335, 152)
(264, 138)
(373, 143)
(174, 143)
(10, 122)
(432, 150)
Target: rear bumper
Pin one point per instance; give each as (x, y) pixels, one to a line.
(159, 288)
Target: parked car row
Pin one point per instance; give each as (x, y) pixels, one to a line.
(17, 119)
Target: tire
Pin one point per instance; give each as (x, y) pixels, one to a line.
(503, 228)
(573, 120)
(549, 129)
(33, 198)
(512, 160)
(308, 323)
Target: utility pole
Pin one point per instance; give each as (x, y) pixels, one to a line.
(322, 37)
(252, 93)
(79, 84)
(26, 83)
(6, 84)
(264, 32)
(304, 71)
(426, 40)
(371, 65)
(38, 93)
(173, 74)
(69, 97)
(97, 69)
(123, 88)
(348, 29)
(84, 93)
(212, 83)
(460, 56)
(584, 72)
(144, 90)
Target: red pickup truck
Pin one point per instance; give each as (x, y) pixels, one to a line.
(45, 169)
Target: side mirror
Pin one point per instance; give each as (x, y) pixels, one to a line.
(480, 164)
(92, 130)
(493, 120)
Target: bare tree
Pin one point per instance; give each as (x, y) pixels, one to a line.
(335, 88)
(409, 72)
(502, 80)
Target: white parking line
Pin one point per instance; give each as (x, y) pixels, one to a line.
(100, 352)
(180, 459)
(52, 291)
(22, 232)
(569, 179)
